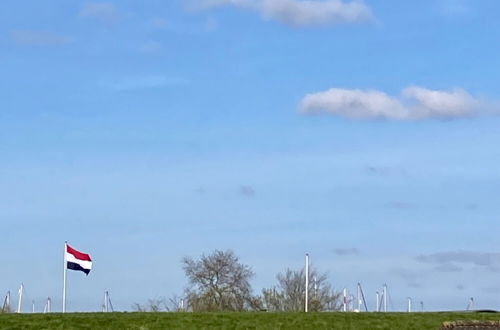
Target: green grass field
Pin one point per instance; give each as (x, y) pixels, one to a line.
(145, 321)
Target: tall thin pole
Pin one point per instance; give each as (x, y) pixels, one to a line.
(307, 283)
(377, 308)
(65, 270)
(344, 301)
(470, 306)
(6, 303)
(20, 300)
(358, 297)
(33, 306)
(385, 297)
(363, 297)
(409, 305)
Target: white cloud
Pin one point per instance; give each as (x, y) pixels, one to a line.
(38, 38)
(300, 12)
(303, 13)
(430, 103)
(104, 12)
(414, 103)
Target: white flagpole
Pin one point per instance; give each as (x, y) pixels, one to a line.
(307, 283)
(64, 279)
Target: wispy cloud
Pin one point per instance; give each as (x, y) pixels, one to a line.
(247, 191)
(299, 12)
(399, 205)
(38, 38)
(385, 171)
(448, 268)
(494, 290)
(414, 103)
(407, 274)
(105, 12)
(346, 251)
(140, 82)
(450, 261)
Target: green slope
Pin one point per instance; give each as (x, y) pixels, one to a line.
(146, 321)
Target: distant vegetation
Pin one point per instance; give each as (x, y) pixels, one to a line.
(219, 282)
(246, 320)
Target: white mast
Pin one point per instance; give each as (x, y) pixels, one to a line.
(377, 308)
(344, 301)
(470, 306)
(421, 306)
(20, 300)
(33, 306)
(358, 297)
(409, 304)
(385, 297)
(307, 283)
(64, 278)
(106, 298)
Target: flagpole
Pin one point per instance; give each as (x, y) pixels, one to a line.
(307, 283)
(64, 279)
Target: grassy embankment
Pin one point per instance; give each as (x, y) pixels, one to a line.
(146, 321)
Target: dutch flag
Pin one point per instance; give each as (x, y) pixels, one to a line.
(76, 260)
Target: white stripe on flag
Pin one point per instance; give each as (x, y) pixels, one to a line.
(83, 263)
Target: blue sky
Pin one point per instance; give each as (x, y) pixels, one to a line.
(363, 133)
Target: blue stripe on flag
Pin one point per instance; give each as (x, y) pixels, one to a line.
(75, 266)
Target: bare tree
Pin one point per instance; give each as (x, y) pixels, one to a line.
(289, 294)
(219, 282)
(153, 305)
(176, 304)
(136, 307)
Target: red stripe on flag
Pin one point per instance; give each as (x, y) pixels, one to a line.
(77, 254)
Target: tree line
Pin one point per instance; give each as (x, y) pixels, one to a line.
(220, 282)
